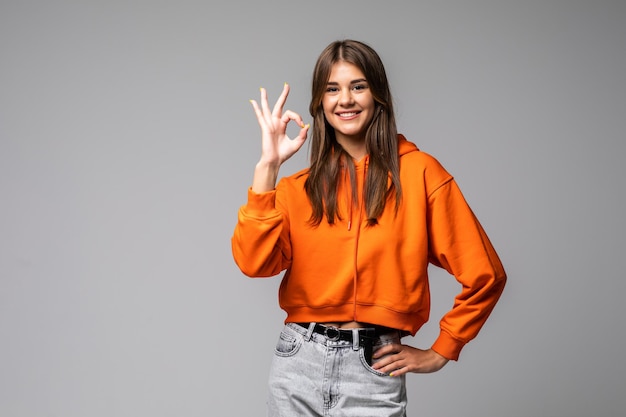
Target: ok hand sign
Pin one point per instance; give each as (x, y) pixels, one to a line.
(276, 146)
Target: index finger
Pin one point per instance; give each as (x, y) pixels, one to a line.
(385, 350)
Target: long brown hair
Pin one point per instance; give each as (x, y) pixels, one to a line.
(381, 139)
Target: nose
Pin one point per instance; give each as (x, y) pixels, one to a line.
(345, 97)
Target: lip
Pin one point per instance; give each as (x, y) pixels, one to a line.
(347, 115)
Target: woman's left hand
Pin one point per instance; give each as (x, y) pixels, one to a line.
(398, 359)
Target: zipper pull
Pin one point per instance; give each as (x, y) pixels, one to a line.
(349, 224)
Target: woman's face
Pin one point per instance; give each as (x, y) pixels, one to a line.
(348, 102)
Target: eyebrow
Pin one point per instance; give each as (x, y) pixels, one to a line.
(360, 80)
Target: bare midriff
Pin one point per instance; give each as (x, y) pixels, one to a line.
(348, 325)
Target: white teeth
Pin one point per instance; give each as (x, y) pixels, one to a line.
(347, 114)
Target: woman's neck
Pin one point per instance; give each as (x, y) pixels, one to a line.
(355, 147)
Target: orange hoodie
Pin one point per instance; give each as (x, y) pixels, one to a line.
(374, 274)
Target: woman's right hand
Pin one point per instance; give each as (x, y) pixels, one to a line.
(276, 146)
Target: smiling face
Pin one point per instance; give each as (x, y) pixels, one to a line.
(348, 103)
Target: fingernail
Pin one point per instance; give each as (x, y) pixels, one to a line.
(391, 374)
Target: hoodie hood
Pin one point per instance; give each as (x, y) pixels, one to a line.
(404, 146)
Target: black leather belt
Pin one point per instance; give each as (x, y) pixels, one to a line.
(334, 334)
(367, 336)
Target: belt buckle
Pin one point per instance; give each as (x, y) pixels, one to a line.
(332, 333)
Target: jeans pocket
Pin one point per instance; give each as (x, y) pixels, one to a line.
(367, 366)
(377, 345)
(288, 344)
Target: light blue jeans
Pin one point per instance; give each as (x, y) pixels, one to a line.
(314, 376)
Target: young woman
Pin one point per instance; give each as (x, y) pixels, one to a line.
(355, 233)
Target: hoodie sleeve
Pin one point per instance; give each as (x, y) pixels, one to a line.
(459, 244)
(260, 243)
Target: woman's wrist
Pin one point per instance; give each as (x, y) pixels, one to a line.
(265, 175)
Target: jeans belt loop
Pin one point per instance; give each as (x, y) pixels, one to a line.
(309, 332)
(355, 339)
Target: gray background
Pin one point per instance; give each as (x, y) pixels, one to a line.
(127, 143)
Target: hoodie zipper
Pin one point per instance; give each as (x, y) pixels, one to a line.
(358, 230)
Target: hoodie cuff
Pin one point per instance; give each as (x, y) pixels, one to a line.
(260, 204)
(447, 346)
